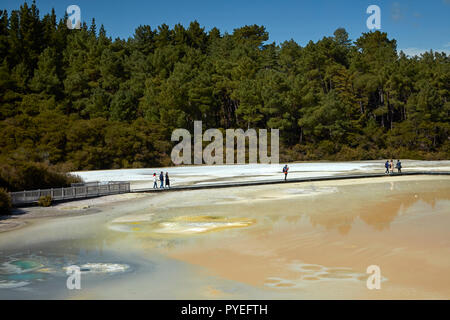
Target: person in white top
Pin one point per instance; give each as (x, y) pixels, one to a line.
(155, 181)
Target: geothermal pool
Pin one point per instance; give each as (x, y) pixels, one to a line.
(287, 241)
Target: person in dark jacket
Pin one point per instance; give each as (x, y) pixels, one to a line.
(161, 178)
(167, 180)
(386, 165)
(285, 171)
(399, 166)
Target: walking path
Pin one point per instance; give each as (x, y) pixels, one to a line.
(292, 180)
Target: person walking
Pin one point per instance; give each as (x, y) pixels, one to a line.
(161, 178)
(167, 180)
(399, 166)
(155, 181)
(285, 171)
(386, 165)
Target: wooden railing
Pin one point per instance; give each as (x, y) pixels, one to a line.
(74, 192)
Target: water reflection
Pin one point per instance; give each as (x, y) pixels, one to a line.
(378, 213)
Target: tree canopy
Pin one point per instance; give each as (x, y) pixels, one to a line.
(81, 100)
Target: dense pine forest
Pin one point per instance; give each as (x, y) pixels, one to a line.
(76, 99)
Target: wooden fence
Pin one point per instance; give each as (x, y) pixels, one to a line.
(74, 192)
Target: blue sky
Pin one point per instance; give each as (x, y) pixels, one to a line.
(417, 25)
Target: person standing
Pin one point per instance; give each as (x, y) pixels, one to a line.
(285, 171)
(161, 178)
(399, 166)
(386, 165)
(155, 181)
(167, 180)
(391, 166)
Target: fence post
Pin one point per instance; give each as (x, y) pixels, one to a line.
(74, 192)
(51, 193)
